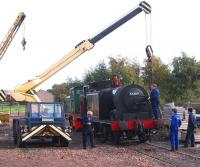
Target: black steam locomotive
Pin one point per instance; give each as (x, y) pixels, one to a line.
(119, 112)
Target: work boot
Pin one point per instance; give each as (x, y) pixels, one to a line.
(172, 149)
(192, 145)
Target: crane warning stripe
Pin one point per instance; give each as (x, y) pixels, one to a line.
(2, 95)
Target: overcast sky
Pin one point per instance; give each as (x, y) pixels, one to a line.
(52, 28)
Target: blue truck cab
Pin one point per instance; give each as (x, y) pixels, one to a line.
(42, 120)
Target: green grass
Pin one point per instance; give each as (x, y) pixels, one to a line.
(12, 108)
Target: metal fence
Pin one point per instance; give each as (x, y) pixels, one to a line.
(14, 109)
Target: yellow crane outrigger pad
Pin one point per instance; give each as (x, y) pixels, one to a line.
(45, 129)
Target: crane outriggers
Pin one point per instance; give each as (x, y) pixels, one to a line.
(26, 93)
(11, 34)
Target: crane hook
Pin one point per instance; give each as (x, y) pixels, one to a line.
(23, 43)
(149, 51)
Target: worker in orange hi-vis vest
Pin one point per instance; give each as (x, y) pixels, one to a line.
(116, 81)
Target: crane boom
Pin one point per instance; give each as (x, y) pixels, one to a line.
(25, 92)
(11, 33)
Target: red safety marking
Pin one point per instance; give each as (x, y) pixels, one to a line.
(149, 124)
(115, 126)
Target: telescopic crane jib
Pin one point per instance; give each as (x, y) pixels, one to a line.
(11, 33)
(25, 92)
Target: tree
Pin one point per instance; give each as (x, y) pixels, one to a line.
(99, 73)
(61, 91)
(128, 70)
(185, 78)
(160, 75)
(179, 83)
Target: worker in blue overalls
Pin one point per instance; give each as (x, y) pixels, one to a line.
(174, 129)
(190, 129)
(155, 100)
(88, 129)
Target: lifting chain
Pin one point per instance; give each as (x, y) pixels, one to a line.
(148, 49)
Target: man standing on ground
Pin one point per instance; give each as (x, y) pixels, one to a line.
(155, 100)
(190, 128)
(174, 128)
(88, 129)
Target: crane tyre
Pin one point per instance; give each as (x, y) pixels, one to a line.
(19, 136)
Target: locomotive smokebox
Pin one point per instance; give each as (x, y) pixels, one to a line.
(124, 103)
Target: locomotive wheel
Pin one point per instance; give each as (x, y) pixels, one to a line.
(105, 133)
(142, 137)
(19, 136)
(129, 135)
(96, 129)
(116, 138)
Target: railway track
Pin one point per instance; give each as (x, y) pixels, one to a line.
(163, 162)
(179, 152)
(163, 155)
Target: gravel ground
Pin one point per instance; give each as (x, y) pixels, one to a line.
(43, 154)
(60, 157)
(37, 155)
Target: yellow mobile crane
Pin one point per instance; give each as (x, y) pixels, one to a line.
(4, 46)
(11, 33)
(46, 119)
(26, 93)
